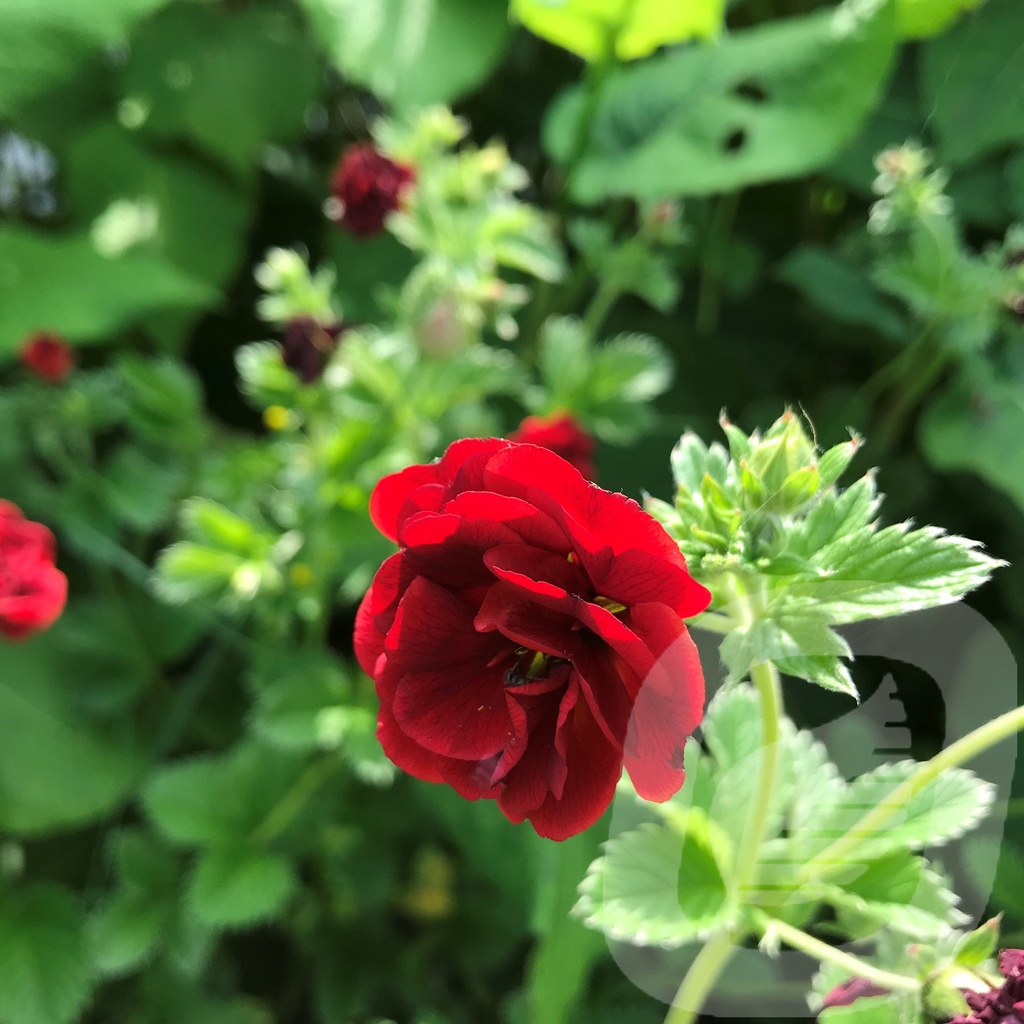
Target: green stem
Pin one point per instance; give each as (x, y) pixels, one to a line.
(766, 678)
(288, 808)
(705, 970)
(600, 305)
(922, 372)
(709, 296)
(819, 950)
(966, 748)
(712, 622)
(701, 977)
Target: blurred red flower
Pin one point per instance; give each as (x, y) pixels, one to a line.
(368, 186)
(561, 433)
(308, 345)
(1003, 1005)
(32, 589)
(527, 640)
(48, 356)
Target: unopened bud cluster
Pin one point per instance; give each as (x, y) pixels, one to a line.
(735, 511)
(909, 192)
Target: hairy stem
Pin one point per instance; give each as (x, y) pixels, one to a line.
(705, 970)
(701, 977)
(823, 951)
(966, 748)
(288, 808)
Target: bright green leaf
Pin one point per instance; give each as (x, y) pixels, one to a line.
(771, 102)
(916, 19)
(630, 28)
(46, 976)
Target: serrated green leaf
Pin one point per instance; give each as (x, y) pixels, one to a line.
(774, 101)
(213, 800)
(126, 931)
(944, 809)
(691, 459)
(186, 572)
(235, 886)
(46, 976)
(141, 487)
(977, 946)
(899, 892)
(655, 886)
(867, 574)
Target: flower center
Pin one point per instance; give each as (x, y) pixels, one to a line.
(529, 667)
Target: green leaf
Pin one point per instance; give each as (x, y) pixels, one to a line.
(46, 976)
(200, 219)
(590, 28)
(235, 886)
(917, 19)
(56, 769)
(898, 892)
(975, 426)
(977, 946)
(770, 102)
(967, 82)
(229, 81)
(656, 886)
(141, 487)
(214, 800)
(842, 291)
(412, 54)
(99, 295)
(293, 693)
(941, 811)
(44, 41)
(130, 924)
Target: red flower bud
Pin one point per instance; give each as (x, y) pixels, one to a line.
(32, 589)
(852, 990)
(563, 435)
(48, 356)
(308, 345)
(367, 186)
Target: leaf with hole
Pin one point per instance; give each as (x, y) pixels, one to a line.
(771, 102)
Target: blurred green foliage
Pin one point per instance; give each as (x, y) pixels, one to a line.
(196, 821)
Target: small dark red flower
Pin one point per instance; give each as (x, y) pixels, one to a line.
(308, 345)
(1003, 1005)
(367, 187)
(32, 589)
(561, 434)
(527, 640)
(852, 990)
(48, 356)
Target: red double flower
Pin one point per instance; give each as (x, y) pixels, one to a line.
(563, 434)
(527, 640)
(32, 589)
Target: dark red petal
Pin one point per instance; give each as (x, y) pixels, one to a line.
(668, 707)
(450, 549)
(406, 753)
(377, 610)
(541, 767)
(470, 779)
(538, 571)
(530, 525)
(463, 463)
(433, 629)
(391, 493)
(593, 770)
(633, 576)
(457, 713)
(528, 472)
(526, 623)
